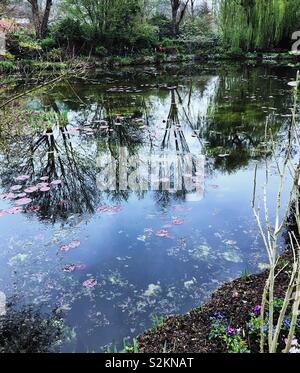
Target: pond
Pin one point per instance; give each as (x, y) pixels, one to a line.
(110, 258)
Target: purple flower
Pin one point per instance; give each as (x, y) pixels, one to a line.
(257, 310)
(230, 330)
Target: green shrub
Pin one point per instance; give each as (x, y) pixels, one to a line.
(68, 33)
(8, 56)
(23, 45)
(101, 51)
(55, 55)
(7, 66)
(47, 43)
(235, 52)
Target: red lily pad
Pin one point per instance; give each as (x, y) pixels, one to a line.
(21, 195)
(162, 233)
(23, 201)
(45, 189)
(31, 189)
(70, 268)
(14, 210)
(89, 284)
(22, 178)
(34, 208)
(69, 246)
(178, 221)
(14, 188)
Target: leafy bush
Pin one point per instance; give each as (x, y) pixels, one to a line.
(224, 332)
(68, 33)
(164, 26)
(47, 43)
(7, 66)
(55, 55)
(144, 36)
(101, 51)
(7, 56)
(235, 52)
(23, 45)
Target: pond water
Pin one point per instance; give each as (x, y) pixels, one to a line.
(108, 260)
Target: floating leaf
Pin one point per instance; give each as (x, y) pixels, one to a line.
(73, 267)
(112, 209)
(69, 246)
(22, 178)
(162, 233)
(34, 208)
(56, 182)
(89, 284)
(16, 187)
(31, 189)
(178, 221)
(23, 201)
(42, 185)
(21, 195)
(14, 210)
(69, 268)
(45, 189)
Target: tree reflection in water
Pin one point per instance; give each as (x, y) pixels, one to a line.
(198, 122)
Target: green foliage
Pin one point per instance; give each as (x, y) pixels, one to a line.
(163, 24)
(7, 56)
(256, 24)
(233, 340)
(7, 66)
(157, 322)
(235, 52)
(68, 33)
(131, 349)
(47, 43)
(55, 55)
(23, 44)
(101, 51)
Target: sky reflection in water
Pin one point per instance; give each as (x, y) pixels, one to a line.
(61, 239)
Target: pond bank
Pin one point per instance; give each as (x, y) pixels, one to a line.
(235, 301)
(112, 62)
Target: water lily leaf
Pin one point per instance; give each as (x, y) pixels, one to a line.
(16, 187)
(90, 284)
(23, 201)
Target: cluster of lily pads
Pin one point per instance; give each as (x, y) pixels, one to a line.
(20, 194)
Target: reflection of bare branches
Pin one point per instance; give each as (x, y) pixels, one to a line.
(173, 126)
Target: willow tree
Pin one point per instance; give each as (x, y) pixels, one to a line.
(257, 24)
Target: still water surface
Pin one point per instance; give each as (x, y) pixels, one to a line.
(108, 261)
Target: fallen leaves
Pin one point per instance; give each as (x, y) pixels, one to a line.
(70, 246)
(23, 201)
(110, 209)
(90, 284)
(73, 267)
